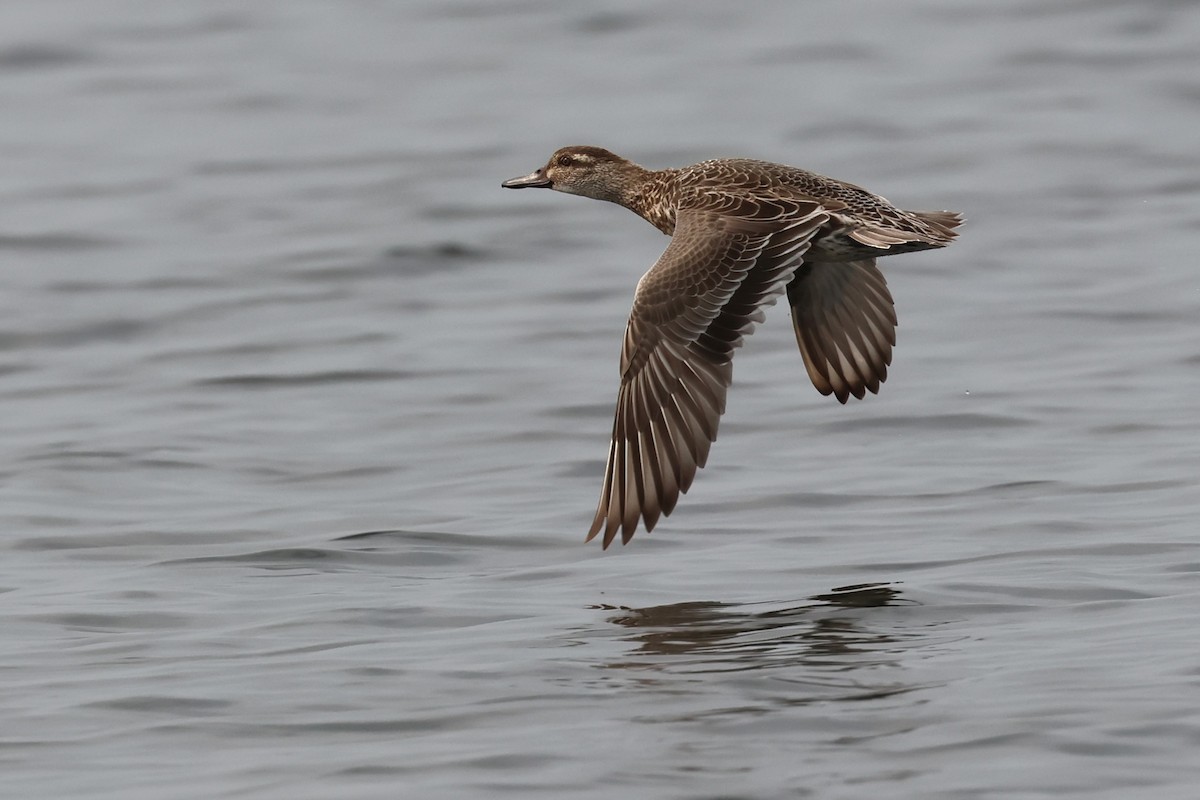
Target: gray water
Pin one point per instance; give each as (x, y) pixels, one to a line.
(304, 418)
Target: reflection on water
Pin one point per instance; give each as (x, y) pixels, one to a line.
(822, 633)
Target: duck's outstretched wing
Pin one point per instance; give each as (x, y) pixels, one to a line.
(731, 255)
(842, 311)
(845, 325)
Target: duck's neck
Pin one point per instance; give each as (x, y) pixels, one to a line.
(653, 196)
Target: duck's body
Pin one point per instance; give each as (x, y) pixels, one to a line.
(743, 232)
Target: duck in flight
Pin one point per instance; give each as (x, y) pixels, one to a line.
(743, 232)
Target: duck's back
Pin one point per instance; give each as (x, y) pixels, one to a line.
(862, 224)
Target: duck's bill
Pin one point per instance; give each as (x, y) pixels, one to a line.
(535, 178)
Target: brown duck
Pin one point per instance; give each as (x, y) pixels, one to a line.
(742, 232)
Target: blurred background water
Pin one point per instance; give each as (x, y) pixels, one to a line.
(304, 418)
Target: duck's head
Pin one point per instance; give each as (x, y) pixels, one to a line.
(581, 169)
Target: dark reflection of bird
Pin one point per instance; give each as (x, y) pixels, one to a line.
(727, 636)
(743, 232)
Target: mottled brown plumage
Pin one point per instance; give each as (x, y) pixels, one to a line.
(743, 232)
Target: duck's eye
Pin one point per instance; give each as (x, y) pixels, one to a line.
(565, 161)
